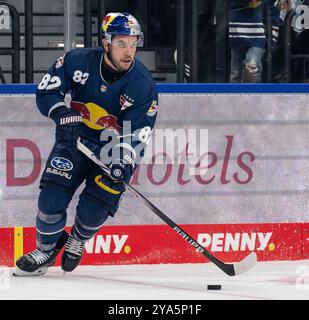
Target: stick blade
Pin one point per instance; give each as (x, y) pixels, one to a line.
(245, 264)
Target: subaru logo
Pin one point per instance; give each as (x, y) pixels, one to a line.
(61, 164)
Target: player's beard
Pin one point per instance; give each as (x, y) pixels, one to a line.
(115, 64)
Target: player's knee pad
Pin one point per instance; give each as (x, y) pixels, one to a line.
(52, 205)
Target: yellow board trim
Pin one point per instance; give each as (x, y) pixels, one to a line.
(104, 186)
(18, 243)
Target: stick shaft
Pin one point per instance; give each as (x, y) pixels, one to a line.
(183, 234)
(229, 269)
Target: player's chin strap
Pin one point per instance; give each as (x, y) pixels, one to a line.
(230, 269)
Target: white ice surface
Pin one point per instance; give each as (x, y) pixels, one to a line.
(267, 280)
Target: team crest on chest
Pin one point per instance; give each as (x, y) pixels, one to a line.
(125, 101)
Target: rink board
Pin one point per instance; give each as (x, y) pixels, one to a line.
(257, 156)
(159, 244)
(258, 172)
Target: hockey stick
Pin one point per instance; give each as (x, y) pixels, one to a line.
(230, 269)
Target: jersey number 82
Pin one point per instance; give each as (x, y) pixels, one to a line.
(48, 82)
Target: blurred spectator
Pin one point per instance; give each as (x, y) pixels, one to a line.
(247, 37)
(287, 5)
(299, 42)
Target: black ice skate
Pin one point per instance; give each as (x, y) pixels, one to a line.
(72, 254)
(37, 262)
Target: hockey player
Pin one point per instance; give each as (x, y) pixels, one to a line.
(247, 37)
(110, 91)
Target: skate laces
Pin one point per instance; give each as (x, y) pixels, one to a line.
(39, 256)
(74, 246)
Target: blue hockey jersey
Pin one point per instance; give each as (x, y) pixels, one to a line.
(103, 106)
(247, 22)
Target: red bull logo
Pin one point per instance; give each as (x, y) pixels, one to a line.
(82, 109)
(96, 117)
(153, 109)
(108, 122)
(107, 20)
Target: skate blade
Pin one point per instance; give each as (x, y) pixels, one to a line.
(20, 273)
